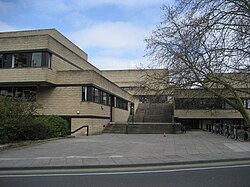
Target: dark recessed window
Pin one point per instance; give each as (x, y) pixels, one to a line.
(28, 93)
(90, 93)
(121, 103)
(36, 60)
(84, 93)
(24, 60)
(104, 98)
(20, 60)
(3, 60)
(248, 103)
(46, 59)
(96, 95)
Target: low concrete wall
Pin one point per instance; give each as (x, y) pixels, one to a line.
(143, 128)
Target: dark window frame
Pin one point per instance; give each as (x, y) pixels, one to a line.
(24, 59)
(28, 93)
(97, 95)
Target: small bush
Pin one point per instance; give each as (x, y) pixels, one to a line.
(3, 134)
(27, 129)
(18, 121)
(56, 126)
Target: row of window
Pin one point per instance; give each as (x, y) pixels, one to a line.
(23, 60)
(89, 93)
(206, 103)
(93, 94)
(131, 88)
(28, 93)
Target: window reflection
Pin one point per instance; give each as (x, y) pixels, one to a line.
(20, 60)
(25, 59)
(36, 60)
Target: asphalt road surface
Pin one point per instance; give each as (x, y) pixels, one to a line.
(212, 174)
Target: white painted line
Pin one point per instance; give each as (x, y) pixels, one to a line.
(116, 156)
(82, 157)
(40, 158)
(122, 173)
(8, 159)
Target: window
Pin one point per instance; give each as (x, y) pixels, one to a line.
(198, 103)
(46, 59)
(23, 60)
(20, 60)
(6, 92)
(227, 106)
(97, 97)
(104, 98)
(121, 103)
(248, 103)
(28, 93)
(3, 60)
(36, 60)
(84, 93)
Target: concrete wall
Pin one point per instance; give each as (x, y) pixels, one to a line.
(10, 42)
(45, 39)
(30, 39)
(92, 77)
(21, 75)
(138, 79)
(67, 101)
(96, 126)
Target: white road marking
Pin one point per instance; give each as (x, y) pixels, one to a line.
(73, 156)
(116, 156)
(122, 173)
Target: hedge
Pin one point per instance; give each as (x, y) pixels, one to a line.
(19, 121)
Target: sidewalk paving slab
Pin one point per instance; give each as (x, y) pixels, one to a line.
(125, 150)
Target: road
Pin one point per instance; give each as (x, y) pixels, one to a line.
(210, 174)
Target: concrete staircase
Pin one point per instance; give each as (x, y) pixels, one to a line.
(154, 113)
(118, 128)
(139, 128)
(150, 118)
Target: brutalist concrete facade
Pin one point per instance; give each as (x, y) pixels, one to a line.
(46, 64)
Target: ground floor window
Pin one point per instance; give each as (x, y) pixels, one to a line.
(207, 103)
(153, 98)
(121, 103)
(206, 124)
(93, 94)
(28, 93)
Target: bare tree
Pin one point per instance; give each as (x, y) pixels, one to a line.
(206, 44)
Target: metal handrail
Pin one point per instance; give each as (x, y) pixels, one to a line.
(81, 128)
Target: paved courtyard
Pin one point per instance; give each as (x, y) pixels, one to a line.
(122, 149)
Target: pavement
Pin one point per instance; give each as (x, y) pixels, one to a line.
(110, 150)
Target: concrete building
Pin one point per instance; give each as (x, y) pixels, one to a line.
(44, 65)
(141, 83)
(197, 109)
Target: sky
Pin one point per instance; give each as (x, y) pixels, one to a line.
(111, 32)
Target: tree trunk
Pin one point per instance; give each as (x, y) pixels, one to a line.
(245, 115)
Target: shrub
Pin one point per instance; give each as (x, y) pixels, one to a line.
(18, 121)
(3, 117)
(27, 129)
(56, 126)
(3, 134)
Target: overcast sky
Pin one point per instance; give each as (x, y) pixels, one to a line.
(111, 32)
